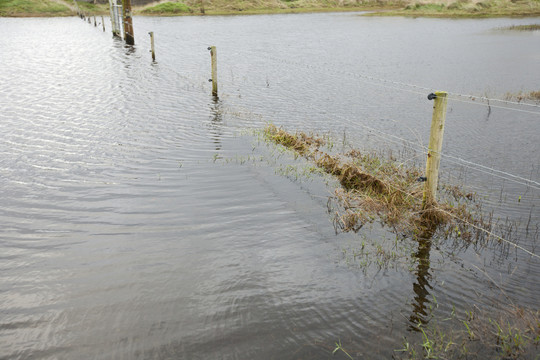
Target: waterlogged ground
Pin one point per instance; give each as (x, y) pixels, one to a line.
(143, 218)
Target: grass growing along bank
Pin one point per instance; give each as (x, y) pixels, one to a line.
(34, 8)
(233, 7)
(428, 8)
(49, 8)
(31, 8)
(467, 9)
(167, 8)
(94, 9)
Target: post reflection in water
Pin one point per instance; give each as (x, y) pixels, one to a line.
(216, 123)
(422, 285)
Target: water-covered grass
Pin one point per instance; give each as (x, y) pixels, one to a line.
(372, 187)
(523, 96)
(510, 332)
(375, 187)
(531, 27)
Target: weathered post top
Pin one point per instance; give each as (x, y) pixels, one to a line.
(435, 147)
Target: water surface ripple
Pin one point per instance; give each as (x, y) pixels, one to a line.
(143, 218)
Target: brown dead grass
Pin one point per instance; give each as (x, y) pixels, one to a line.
(372, 187)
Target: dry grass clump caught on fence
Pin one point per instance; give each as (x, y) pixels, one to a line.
(371, 187)
(522, 96)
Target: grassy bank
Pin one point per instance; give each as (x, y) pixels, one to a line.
(467, 9)
(428, 8)
(49, 8)
(34, 8)
(28, 8)
(94, 9)
(232, 7)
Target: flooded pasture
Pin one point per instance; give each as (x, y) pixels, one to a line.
(144, 218)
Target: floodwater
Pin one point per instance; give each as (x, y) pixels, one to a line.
(143, 218)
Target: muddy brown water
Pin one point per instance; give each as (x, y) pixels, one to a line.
(143, 218)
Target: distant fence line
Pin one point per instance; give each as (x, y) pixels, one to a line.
(394, 85)
(433, 150)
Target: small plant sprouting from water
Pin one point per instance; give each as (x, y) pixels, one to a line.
(513, 334)
(340, 348)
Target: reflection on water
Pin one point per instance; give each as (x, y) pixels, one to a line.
(125, 233)
(216, 124)
(421, 286)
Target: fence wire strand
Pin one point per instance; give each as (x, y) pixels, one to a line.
(407, 143)
(398, 86)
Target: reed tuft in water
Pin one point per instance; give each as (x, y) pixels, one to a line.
(372, 187)
(511, 333)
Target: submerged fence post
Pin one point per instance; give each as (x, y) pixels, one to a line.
(95, 22)
(128, 22)
(116, 18)
(435, 147)
(103, 23)
(213, 54)
(152, 49)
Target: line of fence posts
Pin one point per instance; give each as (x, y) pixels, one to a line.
(434, 148)
(437, 123)
(85, 17)
(126, 20)
(435, 139)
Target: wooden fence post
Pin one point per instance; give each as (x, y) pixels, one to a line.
(103, 23)
(213, 54)
(128, 22)
(115, 18)
(153, 51)
(434, 148)
(95, 22)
